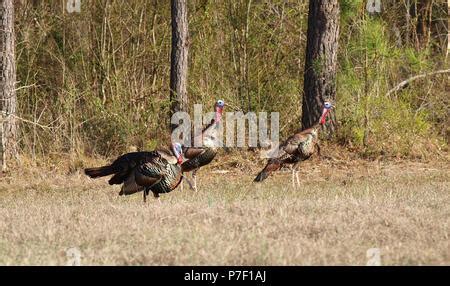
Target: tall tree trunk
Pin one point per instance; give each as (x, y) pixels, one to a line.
(424, 10)
(321, 60)
(448, 30)
(179, 57)
(7, 84)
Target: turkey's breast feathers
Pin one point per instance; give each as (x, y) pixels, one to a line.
(156, 170)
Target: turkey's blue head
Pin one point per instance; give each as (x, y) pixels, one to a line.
(220, 104)
(178, 152)
(327, 106)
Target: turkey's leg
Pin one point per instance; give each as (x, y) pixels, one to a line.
(189, 182)
(318, 151)
(293, 177)
(297, 178)
(145, 195)
(194, 177)
(156, 195)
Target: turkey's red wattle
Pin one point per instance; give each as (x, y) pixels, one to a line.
(324, 116)
(218, 114)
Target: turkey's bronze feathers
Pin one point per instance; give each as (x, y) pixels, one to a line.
(199, 156)
(272, 166)
(156, 171)
(296, 148)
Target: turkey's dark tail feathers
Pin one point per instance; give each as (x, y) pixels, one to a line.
(100, 171)
(261, 176)
(272, 166)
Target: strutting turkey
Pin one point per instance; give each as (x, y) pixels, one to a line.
(158, 171)
(296, 148)
(203, 155)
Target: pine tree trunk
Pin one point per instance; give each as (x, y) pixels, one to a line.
(7, 84)
(179, 57)
(321, 61)
(448, 30)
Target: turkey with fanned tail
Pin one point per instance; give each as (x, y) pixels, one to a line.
(157, 171)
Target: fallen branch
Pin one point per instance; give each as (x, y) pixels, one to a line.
(26, 86)
(25, 121)
(404, 83)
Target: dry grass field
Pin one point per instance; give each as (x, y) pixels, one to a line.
(341, 210)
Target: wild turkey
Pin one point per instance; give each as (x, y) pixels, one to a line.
(157, 171)
(297, 148)
(203, 155)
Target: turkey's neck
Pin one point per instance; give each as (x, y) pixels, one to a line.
(317, 126)
(214, 123)
(211, 124)
(321, 120)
